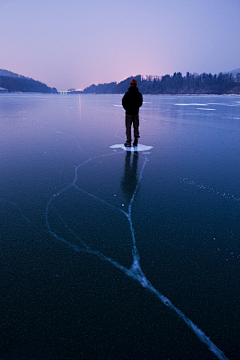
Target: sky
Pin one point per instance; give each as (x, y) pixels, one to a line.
(76, 43)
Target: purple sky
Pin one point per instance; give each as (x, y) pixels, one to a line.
(75, 43)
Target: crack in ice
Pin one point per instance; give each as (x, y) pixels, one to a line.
(135, 271)
(201, 186)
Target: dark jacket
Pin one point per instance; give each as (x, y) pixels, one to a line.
(132, 101)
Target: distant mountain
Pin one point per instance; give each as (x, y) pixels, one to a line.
(9, 74)
(111, 88)
(234, 72)
(17, 83)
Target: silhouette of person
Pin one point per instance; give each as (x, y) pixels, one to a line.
(131, 102)
(129, 180)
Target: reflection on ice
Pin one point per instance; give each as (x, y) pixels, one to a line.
(129, 179)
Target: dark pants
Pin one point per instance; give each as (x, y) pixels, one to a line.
(132, 119)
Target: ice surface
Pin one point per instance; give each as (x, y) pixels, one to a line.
(66, 184)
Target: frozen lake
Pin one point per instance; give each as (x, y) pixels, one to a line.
(114, 254)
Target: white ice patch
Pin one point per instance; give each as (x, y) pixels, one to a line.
(206, 109)
(139, 147)
(189, 104)
(221, 104)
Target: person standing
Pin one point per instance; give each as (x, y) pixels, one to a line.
(131, 102)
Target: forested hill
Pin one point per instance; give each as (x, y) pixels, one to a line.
(175, 84)
(13, 82)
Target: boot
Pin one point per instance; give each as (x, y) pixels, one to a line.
(135, 141)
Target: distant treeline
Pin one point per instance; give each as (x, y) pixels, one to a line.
(23, 84)
(175, 84)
